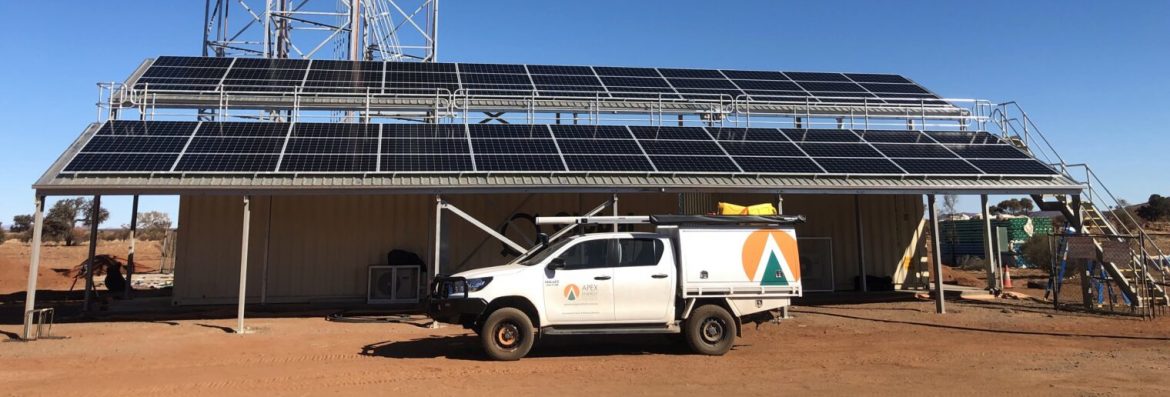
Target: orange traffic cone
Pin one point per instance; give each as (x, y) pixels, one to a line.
(1007, 277)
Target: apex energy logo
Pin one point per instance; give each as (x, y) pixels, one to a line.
(572, 292)
(770, 256)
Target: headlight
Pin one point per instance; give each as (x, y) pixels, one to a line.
(476, 284)
(473, 284)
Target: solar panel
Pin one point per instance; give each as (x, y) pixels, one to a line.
(508, 131)
(797, 165)
(591, 132)
(135, 144)
(818, 149)
(219, 145)
(328, 163)
(106, 162)
(694, 163)
(681, 148)
(1013, 167)
(821, 135)
(673, 133)
(228, 162)
(936, 166)
(744, 148)
(858, 166)
(332, 146)
(586, 163)
(513, 146)
(914, 150)
(147, 128)
(623, 83)
(987, 151)
(263, 147)
(519, 163)
(426, 163)
(748, 134)
(598, 146)
(425, 146)
(242, 129)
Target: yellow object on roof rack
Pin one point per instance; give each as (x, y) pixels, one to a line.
(758, 209)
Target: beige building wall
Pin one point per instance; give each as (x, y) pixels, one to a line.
(318, 248)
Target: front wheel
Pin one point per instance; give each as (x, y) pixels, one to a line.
(710, 330)
(507, 335)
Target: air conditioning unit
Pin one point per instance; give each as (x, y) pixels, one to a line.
(393, 284)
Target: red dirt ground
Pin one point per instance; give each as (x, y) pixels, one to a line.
(14, 259)
(890, 348)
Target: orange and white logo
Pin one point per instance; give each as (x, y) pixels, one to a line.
(770, 256)
(572, 292)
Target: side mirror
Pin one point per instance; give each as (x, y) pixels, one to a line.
(556, 263)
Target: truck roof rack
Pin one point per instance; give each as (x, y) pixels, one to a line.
(726, 219)
(673, 220)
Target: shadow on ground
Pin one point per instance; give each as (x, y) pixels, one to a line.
(467, 347)
(978, 329)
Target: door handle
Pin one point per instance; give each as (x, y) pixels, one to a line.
(603, 278)
(659, 276)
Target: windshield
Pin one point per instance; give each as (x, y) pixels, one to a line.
(543, 252)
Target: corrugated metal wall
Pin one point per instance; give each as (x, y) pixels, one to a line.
(317, 248)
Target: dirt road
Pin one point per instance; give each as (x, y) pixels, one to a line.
(865, 349)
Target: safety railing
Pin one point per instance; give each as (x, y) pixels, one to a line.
(433, 105)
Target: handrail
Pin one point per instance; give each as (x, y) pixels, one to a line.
(1012, 120)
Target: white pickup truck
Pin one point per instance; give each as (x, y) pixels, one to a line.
(702, 276)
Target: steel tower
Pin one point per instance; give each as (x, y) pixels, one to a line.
(391, 30)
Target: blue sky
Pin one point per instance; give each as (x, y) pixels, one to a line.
(1094, 75)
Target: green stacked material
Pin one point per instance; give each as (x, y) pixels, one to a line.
(965, 238)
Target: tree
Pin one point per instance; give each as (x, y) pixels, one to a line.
(63, 217)
(949, 203)
(1014, 207)
(21, 224)
(153, 225)
(1156, 208)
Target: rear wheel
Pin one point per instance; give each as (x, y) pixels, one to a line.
(507, 335)
(710, 330)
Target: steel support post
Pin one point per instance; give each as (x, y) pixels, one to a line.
(434, 30)
(615, 211)
(34, 264)
(247, 223)
(861, 273)
(438, 236)
(355, 30)
(936, 256)
(94, 213)
(438, 246)
(989, 254)
(267, 246)
(133, 241)
(779, 204)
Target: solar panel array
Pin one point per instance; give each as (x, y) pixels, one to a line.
(259, 147)
(544, 81)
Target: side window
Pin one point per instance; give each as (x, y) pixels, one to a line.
(640, 252)
(587, 255)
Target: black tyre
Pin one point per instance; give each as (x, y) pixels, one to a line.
(507, 335)
(710, 330)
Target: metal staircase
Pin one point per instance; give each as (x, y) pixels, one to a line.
(1143, 274)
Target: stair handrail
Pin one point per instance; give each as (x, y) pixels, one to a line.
(1141, 232)
(1012, 119)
